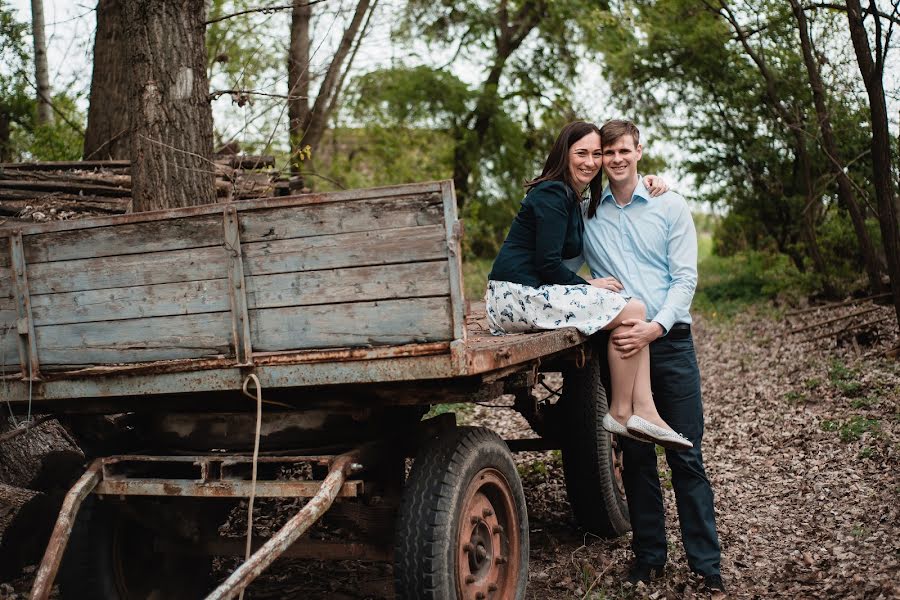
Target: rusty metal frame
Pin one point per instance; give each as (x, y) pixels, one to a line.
(25, 325)
(217, 476)
(237, 288)
(43, 581)
(292, 530)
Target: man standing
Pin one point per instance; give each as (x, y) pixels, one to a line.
(650, 246)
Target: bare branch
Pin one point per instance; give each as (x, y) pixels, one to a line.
(263, 9)
(893, 18)
(219, 93)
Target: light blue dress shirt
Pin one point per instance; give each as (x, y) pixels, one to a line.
(650, 246)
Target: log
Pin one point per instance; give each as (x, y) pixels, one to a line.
(22, 459)
(26, 521)
(67, 164)
(62, 186)
(248, 161)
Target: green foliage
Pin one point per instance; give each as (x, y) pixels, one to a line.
(475, 272)
(844, 379)
(853, 430)
(527, 59)
(679, 64)
(63, 139)
(727, 284)
(24, 139)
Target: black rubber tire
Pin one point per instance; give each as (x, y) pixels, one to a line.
(426, 563)
(597, 500)
(112, 557)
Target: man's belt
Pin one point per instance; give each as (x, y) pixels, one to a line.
(679, 331)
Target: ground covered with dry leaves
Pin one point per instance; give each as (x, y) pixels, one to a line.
(802, 447)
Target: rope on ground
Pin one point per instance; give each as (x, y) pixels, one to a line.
(259, 402)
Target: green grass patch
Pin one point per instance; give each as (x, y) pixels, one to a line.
(728, 285)
(853, 429)
(795, 397)
(829, 425)
(844, 379)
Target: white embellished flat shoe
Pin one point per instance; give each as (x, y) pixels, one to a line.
(614, 427)
(666, 438)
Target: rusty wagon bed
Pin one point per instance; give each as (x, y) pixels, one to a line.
(334, 289)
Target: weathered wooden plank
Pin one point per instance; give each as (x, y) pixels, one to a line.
(334, 286)
(188, 297)
(263, 291)
(402, 245)
(357, 324)
(410, 244)
(7, 291)
(133, 238)
(136, 340)
(343, 217)
(194, 264)
(9, 342)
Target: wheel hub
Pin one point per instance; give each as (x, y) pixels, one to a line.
(489, 546)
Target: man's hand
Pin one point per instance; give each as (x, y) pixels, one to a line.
(633, 340)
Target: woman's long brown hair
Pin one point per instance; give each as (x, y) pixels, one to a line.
(556, 167)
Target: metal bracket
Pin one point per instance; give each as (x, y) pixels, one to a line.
(28, 354)
(237, 289)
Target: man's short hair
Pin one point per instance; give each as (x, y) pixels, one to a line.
(614, 129)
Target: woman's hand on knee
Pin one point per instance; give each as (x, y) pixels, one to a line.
(607, 283)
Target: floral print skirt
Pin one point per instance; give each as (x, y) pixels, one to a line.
(517, 308)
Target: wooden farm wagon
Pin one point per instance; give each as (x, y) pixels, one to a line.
(156, 338)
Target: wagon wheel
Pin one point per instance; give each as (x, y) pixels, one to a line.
(592, 460)
(462, 531)
(113, 557)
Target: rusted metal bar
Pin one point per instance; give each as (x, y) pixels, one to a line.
(259, 358)
(220, 489)
(25, 324)
(43, 581)
(834, 320)
(292, 530)
(237, 289)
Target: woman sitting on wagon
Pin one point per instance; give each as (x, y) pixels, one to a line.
(531, 288)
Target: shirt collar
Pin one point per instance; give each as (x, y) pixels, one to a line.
(640, 191)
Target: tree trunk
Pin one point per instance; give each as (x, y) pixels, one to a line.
(5, 146)
(888, 211)
(171, 119)
(41, 71)
(315, 125)
(107, 136)
(510, 35)
(298, 81)
(845, 188)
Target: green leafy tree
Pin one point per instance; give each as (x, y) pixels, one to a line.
(15, 101)
(733, 91)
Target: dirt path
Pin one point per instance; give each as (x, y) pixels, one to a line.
(802, 445)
